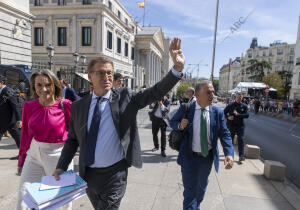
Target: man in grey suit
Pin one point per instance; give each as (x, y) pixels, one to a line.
(104, 126)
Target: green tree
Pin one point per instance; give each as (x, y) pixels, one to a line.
(286, 77)
(182, 88)
(274, 80)
(256, 69)
(216, 85)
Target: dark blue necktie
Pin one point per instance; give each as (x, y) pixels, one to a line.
(92, 136)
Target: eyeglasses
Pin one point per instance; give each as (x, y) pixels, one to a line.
(102, 73)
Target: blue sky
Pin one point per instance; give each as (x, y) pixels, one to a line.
(193, 21)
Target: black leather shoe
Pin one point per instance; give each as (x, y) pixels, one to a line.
(154, 149)
(163, 153)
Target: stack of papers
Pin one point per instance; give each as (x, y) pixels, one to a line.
(51, 194)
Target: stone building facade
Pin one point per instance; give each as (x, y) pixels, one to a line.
(89, 27)
(15, 32)
(279, 54)
(295, 91)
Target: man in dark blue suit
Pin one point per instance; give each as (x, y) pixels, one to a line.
(10, 113)
(68, 92)
(199, 148)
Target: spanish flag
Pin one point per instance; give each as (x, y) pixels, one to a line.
(141, 5)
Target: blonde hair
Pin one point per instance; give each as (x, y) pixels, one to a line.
(53, 79)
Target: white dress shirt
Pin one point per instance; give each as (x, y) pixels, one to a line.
(196, 145)
(2, 88)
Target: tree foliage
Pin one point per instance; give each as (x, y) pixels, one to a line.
(182, 88)
(274, 80)
(286, 77)
(256, 69)
(216, 85)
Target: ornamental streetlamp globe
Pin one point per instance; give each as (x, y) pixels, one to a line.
(76, 57)
(50, 50)
(83, 60)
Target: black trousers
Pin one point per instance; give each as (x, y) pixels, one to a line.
(239, 131)
(107, 186)
(14, 132)
(156, 125)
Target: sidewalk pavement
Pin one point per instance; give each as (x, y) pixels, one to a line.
(158, 185)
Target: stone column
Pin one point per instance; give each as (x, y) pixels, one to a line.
(50, 36)
(74, 34)
(148, 69)
(99, 34)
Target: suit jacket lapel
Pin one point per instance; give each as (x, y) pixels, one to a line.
(85, 113)
(212, 122)
(114, 108)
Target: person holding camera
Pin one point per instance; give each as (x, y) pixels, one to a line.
(159, 117)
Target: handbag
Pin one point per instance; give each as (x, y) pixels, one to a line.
(175, 137)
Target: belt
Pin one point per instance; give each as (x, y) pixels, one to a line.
(200, 154)
(121, 164)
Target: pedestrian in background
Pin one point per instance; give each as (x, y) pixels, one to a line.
(159, 117)
(199, 147)
(68, 92)
(10, 113)
(118, 80)
(44, 131)
(190, 94)
(235, 113)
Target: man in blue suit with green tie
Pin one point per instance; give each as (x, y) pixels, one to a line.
(199, 148)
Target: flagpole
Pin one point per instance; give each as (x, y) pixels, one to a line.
(144, 13)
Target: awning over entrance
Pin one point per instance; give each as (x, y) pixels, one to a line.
(82, 75)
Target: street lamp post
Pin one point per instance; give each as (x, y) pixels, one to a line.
(50, 50)
(76, 60)
(83, 60)
(214, 46)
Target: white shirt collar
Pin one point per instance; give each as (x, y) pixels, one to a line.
(199, 107)
(2, 88)
(107, 95)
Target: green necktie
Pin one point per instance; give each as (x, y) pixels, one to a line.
(203, 134)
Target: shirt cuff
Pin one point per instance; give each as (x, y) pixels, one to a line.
(177, 73)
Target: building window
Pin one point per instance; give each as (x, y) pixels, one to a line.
(62, 2)
(270, 53)
(37, 3)
(132, 28)
(119, 14)
(126, 49)
(87, 2)
(86, 36)
(119, 42)
(109, 40)
(279, 51)
(297, 61)
(264, 53)
(62, 36)
(250, 55)
(38, 36)
(126, 21)
(299, 78)
(132, 53)
(292, 50)
(109, 5)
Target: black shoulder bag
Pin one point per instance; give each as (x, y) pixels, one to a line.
(176, 136)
